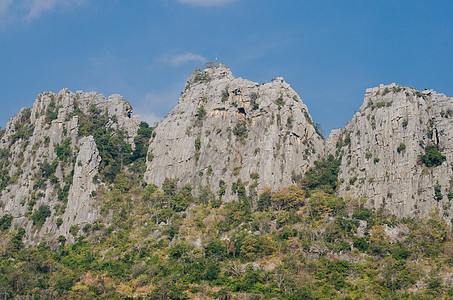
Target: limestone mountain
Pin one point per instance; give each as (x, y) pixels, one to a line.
(228, 132)
(226, 138)
(50, 160)
(398, 151)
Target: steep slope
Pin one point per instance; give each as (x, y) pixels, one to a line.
(228, 131)
(393, 151)
(50, 161)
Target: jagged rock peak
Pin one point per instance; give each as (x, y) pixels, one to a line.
(224, 129)
(49, 159)
(383, 146)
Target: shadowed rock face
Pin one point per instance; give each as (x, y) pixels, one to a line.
(38, 176)
(387, 136)
(226, 128)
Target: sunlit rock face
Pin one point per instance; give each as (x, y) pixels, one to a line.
(36, 175)
(382, 146)
(226, 129)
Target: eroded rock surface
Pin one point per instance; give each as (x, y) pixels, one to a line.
(382, 146)
(226, 129)
(47, 163)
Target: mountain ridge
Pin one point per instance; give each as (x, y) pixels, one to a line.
(226, 137)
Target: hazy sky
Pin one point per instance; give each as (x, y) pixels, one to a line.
(329, 51)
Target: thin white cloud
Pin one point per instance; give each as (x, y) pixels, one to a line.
(184, 58)
(149, 118)
(37, 7)
(155, 105)
(206, 2)
(179, 59)
(29, 10)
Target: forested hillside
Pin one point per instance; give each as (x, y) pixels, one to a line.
(298, 242)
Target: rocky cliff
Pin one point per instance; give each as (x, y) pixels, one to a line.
(227, 131)
(398, 151)
(227, 136)
(50, 160)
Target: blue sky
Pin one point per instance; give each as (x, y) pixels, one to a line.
(329, 51)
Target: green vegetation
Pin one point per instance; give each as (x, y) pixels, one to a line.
(319, 130)
(323, 175)
(201, 113)
(113, 148)
(401, 148)
(280, 102)
(40, 215)
(405, 122)
(201, 77)
(225, 95)
(240, 130)
(23, 128)
(141, 141)
(280, 245)
(253, 97)
(52, 112)
(197, 144)
(64, 150)
(5, 221)
(380, 104)
(437, 192)
(432, 157)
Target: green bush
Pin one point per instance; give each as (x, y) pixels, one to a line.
(74, 229)
(5, 221)
(401, 148)
(215, 249)
(405, 121)
(437, 192)
(64, 150)
(40, 215)
(51, 112)
(280, 102)
(253, 103)
(432, 157)
(240, 129)
(201, 113)
(323, 174)
(141, 142)
(225, 95)
(197, 144)
(362, 214)
(361, 244)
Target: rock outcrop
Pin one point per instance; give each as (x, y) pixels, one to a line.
(382, 148)
(226, 136)
(48, 165)
(226, 129)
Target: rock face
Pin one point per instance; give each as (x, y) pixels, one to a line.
(382, 146)
(224, 133)
(225, 129)
(48, 166)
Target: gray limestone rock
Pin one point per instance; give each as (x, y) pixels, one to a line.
(381, 147)
(223, 132)
(225, 129)
(35, 175)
